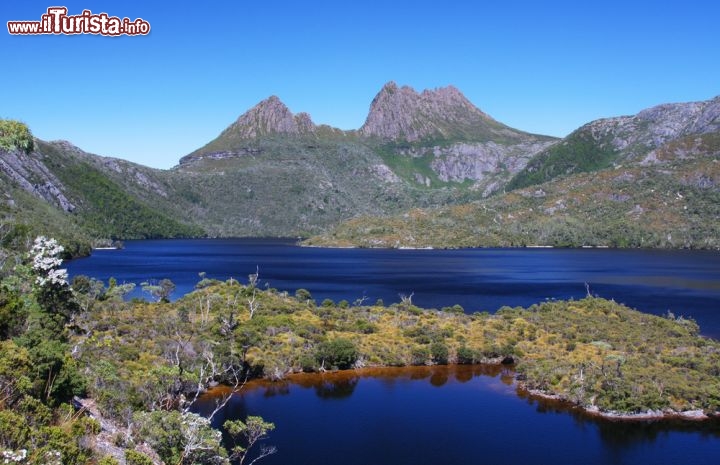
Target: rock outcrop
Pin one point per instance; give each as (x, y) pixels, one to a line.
(401, 113)
(461, 141)
(624, 140)
(651, 128)
(30, 173)
(271, 116)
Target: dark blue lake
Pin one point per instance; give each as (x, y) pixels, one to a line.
(442, 415)
(449, 415)
(684, 282)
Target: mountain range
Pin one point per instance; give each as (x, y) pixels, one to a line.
(430, 154)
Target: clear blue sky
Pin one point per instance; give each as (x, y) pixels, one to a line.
(544, 67)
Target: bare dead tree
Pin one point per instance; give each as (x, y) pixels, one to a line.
(360, 301)
(204, 305)
(407, 299)
(252, 304)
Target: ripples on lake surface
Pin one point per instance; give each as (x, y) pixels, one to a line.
(684, 282)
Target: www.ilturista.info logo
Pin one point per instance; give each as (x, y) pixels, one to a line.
(57, 21)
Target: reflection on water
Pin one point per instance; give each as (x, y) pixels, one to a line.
(341, 384)
(445, 414)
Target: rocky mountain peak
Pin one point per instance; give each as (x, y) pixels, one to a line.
(389, 86)
(271, 116)
(401, 113)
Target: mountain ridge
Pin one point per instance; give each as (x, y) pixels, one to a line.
(434, 138)
(276, 173)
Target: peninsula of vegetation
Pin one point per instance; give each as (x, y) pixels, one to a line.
(138, 366)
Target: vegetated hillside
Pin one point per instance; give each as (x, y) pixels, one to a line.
(288, 185)
(24, 216)
(108, 206)
(56, 189)
(668, 199)
(615, 141)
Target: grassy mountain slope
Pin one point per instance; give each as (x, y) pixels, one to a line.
(295, 185)
(58, 190)
(616, 141)
(580, 152)
(105, 207)
(671, 198)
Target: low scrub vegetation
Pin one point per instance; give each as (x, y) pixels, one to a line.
(671, 205)
(140, 365)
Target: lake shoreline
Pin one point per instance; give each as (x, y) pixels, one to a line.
(697, 415)
(489, 368)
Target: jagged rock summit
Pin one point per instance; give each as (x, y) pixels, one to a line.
(397, 114)
(401, 113)
(455, 140)
(271, 116)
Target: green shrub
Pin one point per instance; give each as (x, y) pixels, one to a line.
(133, 457)
(308, 363)
(439, 352)
(466, 356)
(339, 352)
(365, 326)
(420, 355)
(107, 460)
(15, 135)
(457, 309)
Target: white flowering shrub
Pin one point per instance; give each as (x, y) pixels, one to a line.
(46, 261)
(199, 434)
(13, 456)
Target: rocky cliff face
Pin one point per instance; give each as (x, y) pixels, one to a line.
(401, 113)
(461, 142)
(489, 165)
(29, 172)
